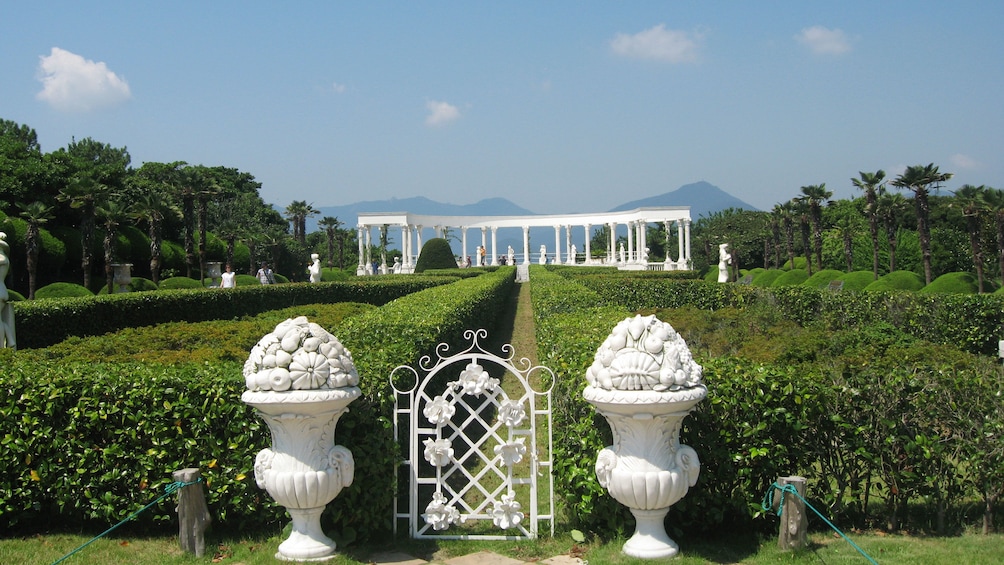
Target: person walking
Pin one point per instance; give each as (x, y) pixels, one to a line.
(265, 275)
(228, 279)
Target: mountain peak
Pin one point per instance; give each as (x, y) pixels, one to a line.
(703, 198)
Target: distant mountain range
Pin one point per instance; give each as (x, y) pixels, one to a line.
(703, 198)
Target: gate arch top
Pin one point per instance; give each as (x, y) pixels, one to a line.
(475, 454)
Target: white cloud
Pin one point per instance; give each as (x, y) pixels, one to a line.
(441, 113)
(71, 83)
(824, 41)
(963, 161)
(659, 43)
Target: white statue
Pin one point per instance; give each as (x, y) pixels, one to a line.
(300, 379)
(315, 268)
(724, 260)
(622, 256)
(397, 266)
(644, 381)
(571, 257)
(511, 254)
(7, 337)
(543, 255)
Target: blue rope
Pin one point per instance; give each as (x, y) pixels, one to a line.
(768, 504)
(168, 491)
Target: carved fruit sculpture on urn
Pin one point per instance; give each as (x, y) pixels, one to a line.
(644, 381)
(300, 380)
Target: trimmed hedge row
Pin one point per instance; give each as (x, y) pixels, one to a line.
(88, 443)
(972, 323)
(44, 322)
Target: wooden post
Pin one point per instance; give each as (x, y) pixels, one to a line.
(794, 522)
(193, 514)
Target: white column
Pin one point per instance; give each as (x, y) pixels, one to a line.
(686, 228)
(569, 260)
(369, 250)
(588, 229)
(612, 243)
(679, 243)
(484, 243)
(463, 244)
(526, 245)
(631, 257)
(667, 225)
(642, 240)
(418, 230)
(404, 247)
(495, 251)
(557, 245)
(361, 267)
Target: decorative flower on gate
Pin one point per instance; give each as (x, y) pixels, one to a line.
(475, 380)
(439, 411)
(438, 452)
(511, 412)
(439, 515)
(506, 513)
(511, 452)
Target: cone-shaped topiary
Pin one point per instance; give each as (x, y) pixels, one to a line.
(436, 254)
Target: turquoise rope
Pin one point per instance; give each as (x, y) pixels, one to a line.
(768, 504)
(168, 491)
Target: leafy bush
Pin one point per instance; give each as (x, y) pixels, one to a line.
(790, 278)
(137, 284)
(62, 290)
(821, 279)
(897, 280)
(766, 278)
(857, 280)
(329, 274)
(175, 283)
(436, 254)
(14, 296)
(956, 283)
(247, 280)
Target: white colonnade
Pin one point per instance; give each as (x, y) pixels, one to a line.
(631, 224)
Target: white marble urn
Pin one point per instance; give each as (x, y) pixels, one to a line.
(300, 380)
(644, 381)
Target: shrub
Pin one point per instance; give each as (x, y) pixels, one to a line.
(175, 283)
(822, 278)
(857, 280)
(791, 278)
(955, 283)
(14, 295)
(334, 274)
(897, 280)
(137, 284)
(247, 280)
(767, 277)
(62, 290)
(436, 254)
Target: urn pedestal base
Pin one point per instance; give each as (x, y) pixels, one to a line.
(650, 540)
(306, 542)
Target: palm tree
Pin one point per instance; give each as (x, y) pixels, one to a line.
(775, 231)
(330, 225)
(887, 207)
(187, 186)
(973, 205)
(297, 213)
(82, 192)
(35, 214)
(154, 207)
(871, 184)
(918, 179)
(815, 195)
(800, 209)
(206, 192)
(787, 213)
(111, 212)
(994, 199)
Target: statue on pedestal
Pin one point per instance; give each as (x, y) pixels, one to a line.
(724, 260)
(315, 268)
(7, 337)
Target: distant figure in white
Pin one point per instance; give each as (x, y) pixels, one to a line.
(397, 266)
(315, 268)
(7, 338)
(543, 255)
(511, 254)
(571, 257)
(622, 255)
(724, 260)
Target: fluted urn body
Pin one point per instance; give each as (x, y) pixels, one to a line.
(644, 382)
(300, 380)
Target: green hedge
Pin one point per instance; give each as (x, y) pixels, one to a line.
(44, 322)
(87, 443)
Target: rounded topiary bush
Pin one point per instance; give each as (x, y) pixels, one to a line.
(857, 280)
(955, 283)
(436, 254)
(247, 280)
(799, 264)
(138, 284)
(334, 274)
(791, 278)
(897, 280)
(62, 290)
(822, 278)
(179, 282)
(767, 277)
(14, 296)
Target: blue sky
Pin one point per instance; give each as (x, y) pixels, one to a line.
(558, 106)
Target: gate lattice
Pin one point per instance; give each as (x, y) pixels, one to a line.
(475, 454)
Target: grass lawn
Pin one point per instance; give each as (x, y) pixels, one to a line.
(825, 548)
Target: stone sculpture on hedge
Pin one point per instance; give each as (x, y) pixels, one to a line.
(7, 337)
(300, 379)
(724, 260)
(315, 268)
(644, 381)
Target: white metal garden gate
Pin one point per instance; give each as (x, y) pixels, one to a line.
(478, 460)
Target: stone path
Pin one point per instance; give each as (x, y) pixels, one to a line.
(479, 558)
